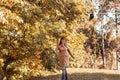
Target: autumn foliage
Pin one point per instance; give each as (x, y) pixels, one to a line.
(31, 29)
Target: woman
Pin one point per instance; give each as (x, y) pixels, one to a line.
(63, 56)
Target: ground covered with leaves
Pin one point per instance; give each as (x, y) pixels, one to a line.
(82, 74)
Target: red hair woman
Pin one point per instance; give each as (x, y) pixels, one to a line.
(64, 56)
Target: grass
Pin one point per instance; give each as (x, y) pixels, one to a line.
(83, 74)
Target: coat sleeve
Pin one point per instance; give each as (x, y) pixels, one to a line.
(69, 52)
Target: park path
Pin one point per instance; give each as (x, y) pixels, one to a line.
(83, 74)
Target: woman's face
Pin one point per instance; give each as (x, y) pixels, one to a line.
(63, 41)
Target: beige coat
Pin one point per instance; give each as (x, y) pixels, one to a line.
(63, 56)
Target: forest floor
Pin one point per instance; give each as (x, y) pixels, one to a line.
(82, 74)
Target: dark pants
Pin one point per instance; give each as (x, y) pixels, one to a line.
(64, 74)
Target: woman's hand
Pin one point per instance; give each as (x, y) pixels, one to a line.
(76, 59)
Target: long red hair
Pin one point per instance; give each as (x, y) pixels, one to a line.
(62, 38)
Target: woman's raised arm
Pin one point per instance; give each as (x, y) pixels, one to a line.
(70, 52)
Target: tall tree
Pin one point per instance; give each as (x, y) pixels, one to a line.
(29, 29)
